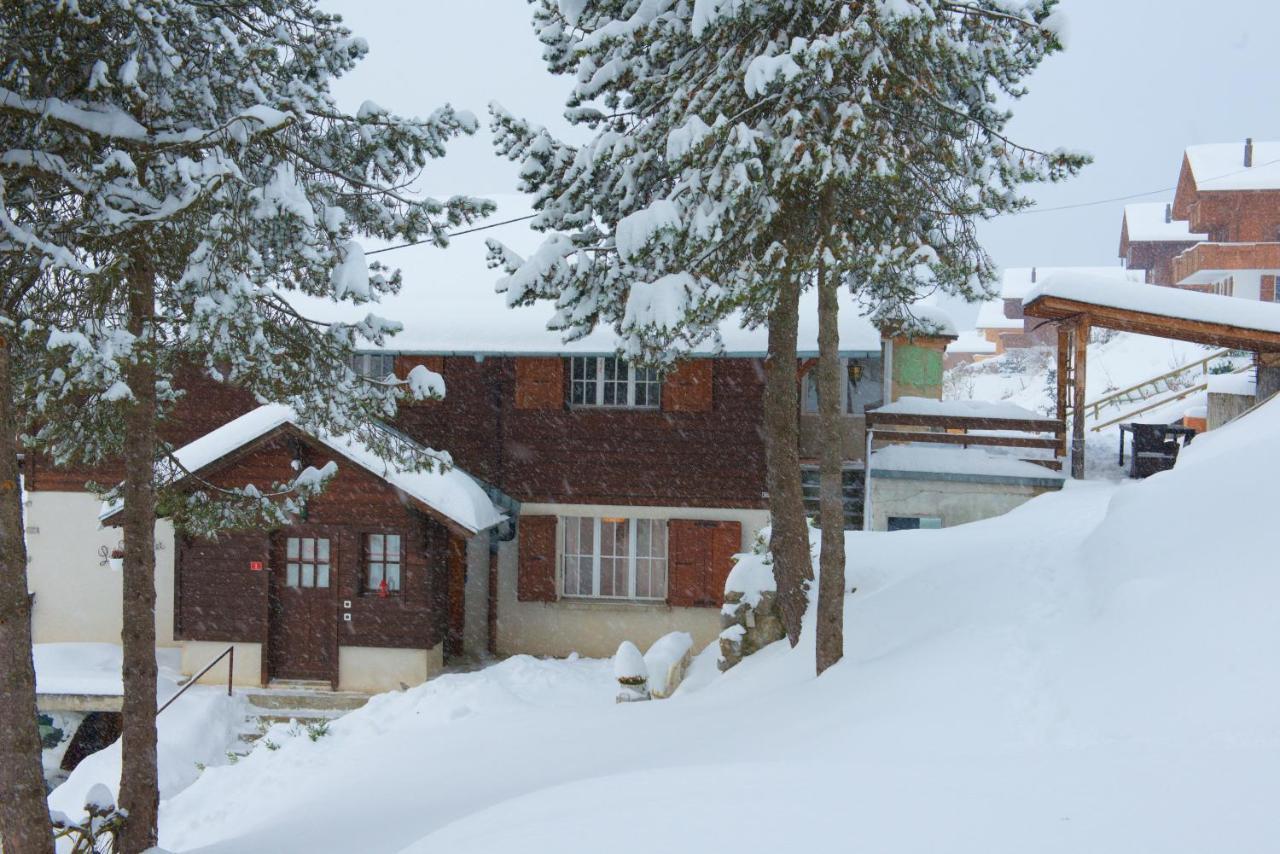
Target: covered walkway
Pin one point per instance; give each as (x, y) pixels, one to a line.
(1078, 302)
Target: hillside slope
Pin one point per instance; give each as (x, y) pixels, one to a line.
(1094, 672)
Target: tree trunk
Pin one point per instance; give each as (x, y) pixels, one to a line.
(24, 812)
(139, 785)
(830, 623)
(789, 543)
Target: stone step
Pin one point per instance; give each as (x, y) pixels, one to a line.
(300, 684)
(302, 716)
(304, 700)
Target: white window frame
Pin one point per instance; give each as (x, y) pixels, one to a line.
(633, 524)
(363, 365)
(599, 383)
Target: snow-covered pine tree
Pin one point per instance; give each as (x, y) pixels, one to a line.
(738, 146)
(208, 175)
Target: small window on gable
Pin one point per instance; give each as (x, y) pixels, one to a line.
(375, 366)
(611, 382)
(383, 564)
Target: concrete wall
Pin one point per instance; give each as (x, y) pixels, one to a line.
(956, 503)
(76, 599)
(373, 669)
(1227, 407)
(475, 627)
(248, 669)
(595, 628)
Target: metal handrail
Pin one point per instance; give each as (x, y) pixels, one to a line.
(1111, 398)
(231, 669)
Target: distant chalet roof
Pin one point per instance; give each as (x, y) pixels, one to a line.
(1145, 223)
(448, 306)
(971, 341)
(991, 316)
(1015, 282)
(448, 493)
(1153, 310)
(1220, 166)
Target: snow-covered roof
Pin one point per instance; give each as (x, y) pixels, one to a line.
(991, 316)
(971, 462)
(450, 492)
(1167, 302)
(1145, 222)
(1220, 166)
(448, 305)
(971, 341)
(1243, 384)
(959, 409)
(1016, 281)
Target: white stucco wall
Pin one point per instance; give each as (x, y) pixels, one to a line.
(248, 662)
(595, 628)
(956, 503)
(373, 669)
(76, 599)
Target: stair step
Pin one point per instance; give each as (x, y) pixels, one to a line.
(301, 684)
(317, 700)
(302, 716)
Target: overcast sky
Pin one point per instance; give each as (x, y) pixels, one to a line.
(1140, 80)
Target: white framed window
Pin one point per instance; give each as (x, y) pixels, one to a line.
(307, 563)
(375, 366)
(609, 557)
(610, 381)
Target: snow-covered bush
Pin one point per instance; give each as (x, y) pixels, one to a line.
(631, 672)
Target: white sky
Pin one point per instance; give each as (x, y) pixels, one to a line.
(1140, 80)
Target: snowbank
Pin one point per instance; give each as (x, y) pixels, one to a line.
(78, 668)
(1085, 673)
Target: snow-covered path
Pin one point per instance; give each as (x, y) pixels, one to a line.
(1084, 674)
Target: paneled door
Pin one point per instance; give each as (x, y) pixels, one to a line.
(303, 631)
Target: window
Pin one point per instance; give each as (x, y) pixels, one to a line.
(863, 388)
(854, 493)
(307, 562)
(610, 381)
(914, 523)
(375, 366)
(382, 562)
(615, 558)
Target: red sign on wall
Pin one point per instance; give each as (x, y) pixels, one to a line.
(255, 566)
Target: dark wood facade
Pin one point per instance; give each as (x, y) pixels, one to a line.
(508, 422)
(220, 597)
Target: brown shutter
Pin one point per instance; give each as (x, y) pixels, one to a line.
(539, 383)
(536, 567)
(405, 364)
(699, 557)
(688, 387)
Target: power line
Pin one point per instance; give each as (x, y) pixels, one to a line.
(1075, 206)
(452, 234)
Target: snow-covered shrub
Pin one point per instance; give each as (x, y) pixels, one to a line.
(631, 672)
(666, 662)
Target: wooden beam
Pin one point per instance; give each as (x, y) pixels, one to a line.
(1079, 373)
(961, 422)
(1161, 326)
(1064, 367)
(967, 439)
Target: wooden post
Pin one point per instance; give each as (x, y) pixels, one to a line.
(1079, 355)
(1064, 368)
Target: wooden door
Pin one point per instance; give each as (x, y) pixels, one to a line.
(303, 630)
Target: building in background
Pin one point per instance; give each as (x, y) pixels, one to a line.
(1150, 238)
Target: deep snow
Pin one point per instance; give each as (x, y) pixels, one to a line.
(1093, 672)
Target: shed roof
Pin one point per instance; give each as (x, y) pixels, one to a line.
(1145, 223)
(449, 493)
(1153, 310)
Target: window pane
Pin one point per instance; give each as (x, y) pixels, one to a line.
(642, 538)
(658, 582)
(613, 576)
(293, 548)
(393, 545)
(644, 568)
(291, 575)
(322, 575)
(375, 546)
(658, 530)
(322, 550)
(308, 575)
(308, 549)
(393, 576)
(375, 576)
(570, 536)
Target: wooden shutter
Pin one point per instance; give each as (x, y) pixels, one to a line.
(536, 567)
(699, 557)
(688, 387)
(539, 383)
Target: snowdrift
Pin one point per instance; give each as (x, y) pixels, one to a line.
(1093, 672)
